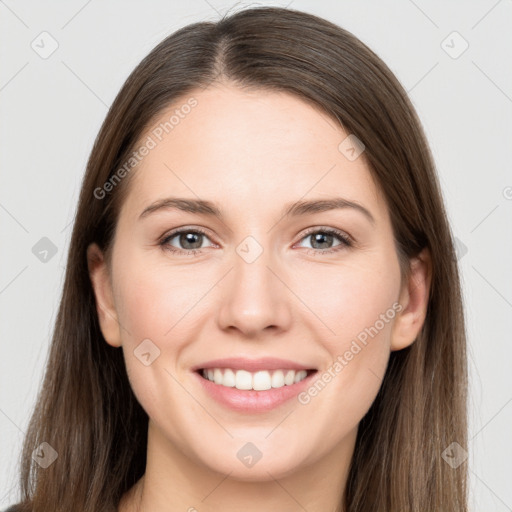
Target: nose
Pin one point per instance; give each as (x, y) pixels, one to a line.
(254, 297)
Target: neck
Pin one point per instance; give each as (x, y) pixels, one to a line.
(174, 482)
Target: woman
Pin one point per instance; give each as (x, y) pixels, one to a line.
(247, 370)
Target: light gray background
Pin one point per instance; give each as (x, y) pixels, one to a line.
(52, 109)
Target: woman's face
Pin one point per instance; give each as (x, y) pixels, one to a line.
(259, 283)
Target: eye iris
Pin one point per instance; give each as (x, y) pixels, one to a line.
(322, 238)
(187, 238)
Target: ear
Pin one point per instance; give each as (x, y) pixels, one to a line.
(100, 279)
(414, 301)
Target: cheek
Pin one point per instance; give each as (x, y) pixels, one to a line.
(154, 304)
(357, 307)
(350, 298)
(152, 297)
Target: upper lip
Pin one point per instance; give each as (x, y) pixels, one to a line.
(252, 365)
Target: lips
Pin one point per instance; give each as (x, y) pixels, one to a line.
(248, 400)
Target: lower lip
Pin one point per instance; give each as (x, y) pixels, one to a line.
(251, 400)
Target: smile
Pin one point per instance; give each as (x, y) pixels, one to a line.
(258, 381)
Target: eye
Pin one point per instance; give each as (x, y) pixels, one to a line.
(322, 239)
(190, 239)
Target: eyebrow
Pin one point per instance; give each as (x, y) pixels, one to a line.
(295, 209)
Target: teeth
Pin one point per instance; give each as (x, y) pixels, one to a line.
(259, 381)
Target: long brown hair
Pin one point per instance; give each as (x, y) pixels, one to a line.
(86, 409)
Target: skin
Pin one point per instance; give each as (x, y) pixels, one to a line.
(252, 153)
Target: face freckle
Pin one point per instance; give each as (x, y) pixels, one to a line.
(251, 154)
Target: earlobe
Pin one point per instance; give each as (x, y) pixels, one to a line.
(105, 307)
(414, 298)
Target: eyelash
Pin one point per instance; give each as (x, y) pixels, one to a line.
(345, 240)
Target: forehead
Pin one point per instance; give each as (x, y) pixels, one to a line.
(240, 147)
